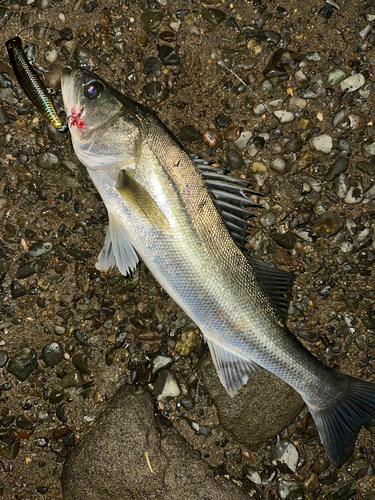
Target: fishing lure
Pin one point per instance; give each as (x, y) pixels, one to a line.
(32, 84)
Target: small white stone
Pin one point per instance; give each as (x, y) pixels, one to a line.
(51, 56)
(284, 116)
(322, 143)
(353, 82)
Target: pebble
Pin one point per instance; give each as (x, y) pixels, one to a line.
(284, 116)
(281, 63)
(290, 490)
(244, 139)
(72, 379)
(364, 33)
(353, 82)
(267, 219)
(152, 66)
(155, 92)
(52, 353)
(339, 116)
(232, 134)
(186, 343)
(160, 362)
(337, 168)
(23, 364)
(313, 57)
(17, 290)
(80, 362)
(168, 56)
(3, 358)
(4, 117)
(340, 186)
(369, 194)
(51, 56)
(213, 16)
(321, 143)
(284, 456)
(355, 192)
(166, 386)
(336, 76)
(151, 19)
(212, 138)
(48, 161)
(280, 165)
(259, 109)
(296, 104)
(251, 474)
(39, 249)
(368, 148)
(328, 224)
(366, 168)
(234, 159)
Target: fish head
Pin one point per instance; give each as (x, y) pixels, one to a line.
(98, 117)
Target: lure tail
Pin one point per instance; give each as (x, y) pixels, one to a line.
(339, 423)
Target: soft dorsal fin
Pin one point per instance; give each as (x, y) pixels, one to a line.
(117, 249)
(277, 283)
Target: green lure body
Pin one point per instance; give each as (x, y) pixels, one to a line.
(32, 84)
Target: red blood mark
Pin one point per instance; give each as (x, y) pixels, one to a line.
(76, 119)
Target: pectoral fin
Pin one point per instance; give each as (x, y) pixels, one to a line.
(136, 197)
(117, 250)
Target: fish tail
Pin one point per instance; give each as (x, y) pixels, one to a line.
(339, 423)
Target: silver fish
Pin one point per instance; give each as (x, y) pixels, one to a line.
(159, 207)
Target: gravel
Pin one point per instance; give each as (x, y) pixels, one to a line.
(298, 126)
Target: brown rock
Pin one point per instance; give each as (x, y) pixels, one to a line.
(130, 454)
(259, 411)
(212, 138)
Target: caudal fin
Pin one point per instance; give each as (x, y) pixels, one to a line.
(338, 424)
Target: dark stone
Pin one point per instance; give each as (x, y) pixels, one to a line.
(17, 290)
(223, 121)
(111, 462)
(189, 134)
(234, 159)
(155, 91)
(213, 16)
(168, 56)
(52, 353)
(3, 358)
(23, 364)
(152, 66)
(25, 271)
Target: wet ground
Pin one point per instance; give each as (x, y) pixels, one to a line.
(309, 148)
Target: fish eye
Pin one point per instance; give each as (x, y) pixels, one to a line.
(93, 90)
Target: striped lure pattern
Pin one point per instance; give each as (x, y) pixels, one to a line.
(32, 84)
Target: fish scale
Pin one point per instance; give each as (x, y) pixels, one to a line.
(159, 205)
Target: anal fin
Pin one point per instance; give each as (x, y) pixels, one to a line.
(232, 369)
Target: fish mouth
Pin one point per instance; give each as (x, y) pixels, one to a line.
(69, 90)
